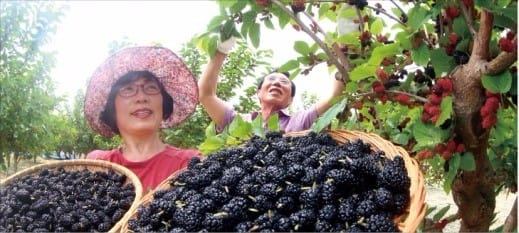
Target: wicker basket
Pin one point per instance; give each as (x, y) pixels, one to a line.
(407, 222)
(93, 166)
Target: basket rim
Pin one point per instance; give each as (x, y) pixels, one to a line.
(132, 177)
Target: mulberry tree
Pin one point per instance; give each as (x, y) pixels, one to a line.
(438, 78)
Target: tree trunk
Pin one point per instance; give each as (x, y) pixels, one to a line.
(511, 220)
(472, 192)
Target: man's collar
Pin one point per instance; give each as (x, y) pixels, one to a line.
(282, 112)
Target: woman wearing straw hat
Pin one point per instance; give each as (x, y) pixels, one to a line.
(134, 93)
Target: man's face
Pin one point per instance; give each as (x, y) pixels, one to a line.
(276, 91)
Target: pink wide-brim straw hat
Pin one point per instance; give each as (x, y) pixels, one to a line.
(171, 71)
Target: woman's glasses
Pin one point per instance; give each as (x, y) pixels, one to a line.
(131, 89)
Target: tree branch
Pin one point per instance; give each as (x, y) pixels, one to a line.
(480, 49)
(468, 18)
(308, 31)
(385, 13)
(511, 220)
(501, 62)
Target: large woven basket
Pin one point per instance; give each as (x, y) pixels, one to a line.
(93, 166)
(407, 222)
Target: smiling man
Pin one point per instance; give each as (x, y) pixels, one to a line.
(275, 92)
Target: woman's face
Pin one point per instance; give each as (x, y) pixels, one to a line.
(276, 91)
(138, 107)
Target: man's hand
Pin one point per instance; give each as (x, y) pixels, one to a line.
(226, 46)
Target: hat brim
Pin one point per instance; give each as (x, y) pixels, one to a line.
(171, 71)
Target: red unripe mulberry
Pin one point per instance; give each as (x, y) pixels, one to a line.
(440, 148)
(492, 103)
(425, 154)
(453, 38)
(382, 75)
(378, 87)
(446, 154)
(403, 99)
(425, 117)
(435, 99)
(451, 146)
(486, 110)
(460, 148)
(452, 12)
(435, 118)
(489, 121)
(432, 109)
(446, 84)
(506, 45)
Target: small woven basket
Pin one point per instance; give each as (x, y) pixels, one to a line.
(92, 166)
(407, 222)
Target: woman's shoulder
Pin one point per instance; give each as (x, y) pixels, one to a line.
(179, 152)
(99, 154)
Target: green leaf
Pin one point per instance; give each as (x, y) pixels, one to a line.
(257, 127)
(421, 55)
(405, 40)
(418, 16)
(460, 27)
(238, 6)
(441, 61)
(509, 12)
(239, 128)
(215, 23)
(323, 10)
(227, 30)
(483, 3)
(273, 122)
(441, 213)
(430, 209)
(210, 130)
(427, 135)
(254, 34)
(500, 83)
(362, 71)
(400, 138)
(380, 52)
(268, 23)
(377, 26)
(463, 45)
(301, 47)
(283, 20)
(468, 163)
(212, 144)
(446, 110)
(504, 21)
(329, 115)
(290, 65)
(454, 165)
(350, 39)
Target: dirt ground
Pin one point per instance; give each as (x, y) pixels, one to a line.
(435, 196)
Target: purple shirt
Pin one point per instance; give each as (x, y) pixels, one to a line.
(299, 121)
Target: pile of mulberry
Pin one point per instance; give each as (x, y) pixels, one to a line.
(306, 183)
(59, 200)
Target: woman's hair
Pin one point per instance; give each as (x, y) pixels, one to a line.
(260, 83)
(108, 114)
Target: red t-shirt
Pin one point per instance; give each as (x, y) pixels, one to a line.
(153, 170)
